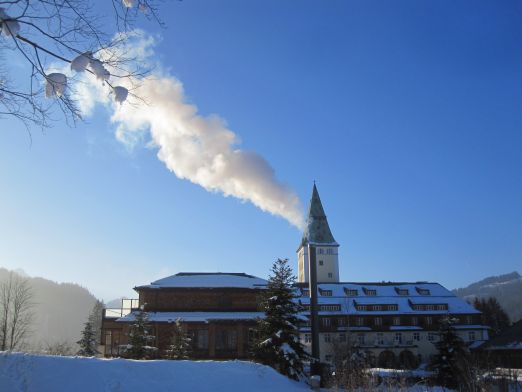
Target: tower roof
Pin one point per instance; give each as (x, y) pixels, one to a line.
(317, 230)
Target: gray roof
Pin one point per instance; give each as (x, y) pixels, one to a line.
(317, 230)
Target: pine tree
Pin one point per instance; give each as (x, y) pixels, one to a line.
(95, 318)
(88, 341)
(278, 342)
(451, 361)
(140, 337)
(493, 315)
(179, 347)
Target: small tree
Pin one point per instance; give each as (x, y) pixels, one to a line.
(140, 337)
(179, 347)
(451, 361)
(95, 318)
(16, 312)
(88, 341)
(278, 342)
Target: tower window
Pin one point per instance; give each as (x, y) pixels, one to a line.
(329, 251)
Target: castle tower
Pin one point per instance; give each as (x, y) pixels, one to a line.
(317, 232)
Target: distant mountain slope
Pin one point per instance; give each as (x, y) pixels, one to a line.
(61, 310)
(507, 289)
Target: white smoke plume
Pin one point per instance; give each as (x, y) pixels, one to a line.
(197, 148)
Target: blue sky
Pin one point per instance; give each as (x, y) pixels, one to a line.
(406, 113)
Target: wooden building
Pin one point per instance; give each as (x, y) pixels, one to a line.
(217, 309)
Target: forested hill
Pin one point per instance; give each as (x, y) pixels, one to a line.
(60, 309)
(507, 289)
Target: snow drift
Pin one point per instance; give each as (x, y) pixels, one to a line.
(37, 373)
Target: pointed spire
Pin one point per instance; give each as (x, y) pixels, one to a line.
(317, 230)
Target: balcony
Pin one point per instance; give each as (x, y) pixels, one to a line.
(127, 306)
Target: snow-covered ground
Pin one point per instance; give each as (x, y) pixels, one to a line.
(28, 372)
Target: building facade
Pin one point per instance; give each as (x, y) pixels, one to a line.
(394, 323)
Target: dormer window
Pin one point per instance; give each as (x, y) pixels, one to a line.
(370, 292)
(422, 291)
(325, 293)
(351, 292)
(400, 291)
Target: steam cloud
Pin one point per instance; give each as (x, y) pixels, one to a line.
(197, 148)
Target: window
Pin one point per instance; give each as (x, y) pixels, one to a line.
(200, 338)
(252, 336)
(342, 337)
(327, 338)
(326, 293)
(329, 251)
(330, 275)
(442, 307)
(469, 320)
(380, 338)
(328, 358)
(377, 321)
(305, 292)
(431, 337)
(351, 292)
(416, 336)
(321, 262)
(414, 321)
(359, 321)
(341, 321)
(429, 320)
(398, 338)
(471, 336)
(370, 292)
(326, 321)
(360, 338)
(430, 307)
(321, 251)
(422, 291)
(308, 338)
(396, 321)
(330, 308)
(226, 340)
(401, 291)
(377, 308)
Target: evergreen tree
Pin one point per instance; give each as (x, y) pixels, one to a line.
(451, 361)
(88, 341)
(278, 342)
(179, 347)
(140, 337)
(493, 315)
(95, 318)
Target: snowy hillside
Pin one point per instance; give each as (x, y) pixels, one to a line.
(36, 373)
(507, 289)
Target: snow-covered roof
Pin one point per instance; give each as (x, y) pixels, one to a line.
(389, 293)
(208, 280)
(205, 317)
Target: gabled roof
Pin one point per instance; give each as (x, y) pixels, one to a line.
(208, 280)
(317, 230)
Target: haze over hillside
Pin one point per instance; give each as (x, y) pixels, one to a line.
(60, 309)
(507, 289)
